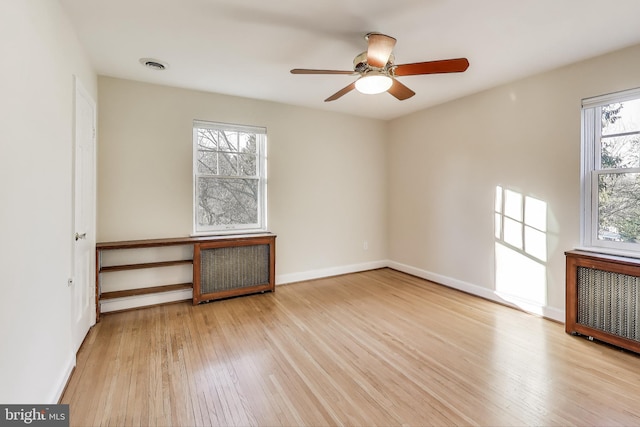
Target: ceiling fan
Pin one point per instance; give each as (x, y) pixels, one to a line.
(378, 72)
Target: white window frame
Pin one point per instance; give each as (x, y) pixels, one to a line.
(261, 147)
(590, 172)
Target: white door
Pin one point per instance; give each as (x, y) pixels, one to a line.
(83, 311)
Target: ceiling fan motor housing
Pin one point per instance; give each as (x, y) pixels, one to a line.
(361, 66)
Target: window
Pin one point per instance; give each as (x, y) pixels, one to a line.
(611, 171)
(229, 178)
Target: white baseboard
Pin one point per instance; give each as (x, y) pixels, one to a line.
(328, 272)
(490, 294)
(61, 384)
(118, 304)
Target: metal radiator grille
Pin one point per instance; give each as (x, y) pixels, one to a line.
(236, 267)
(609, 302)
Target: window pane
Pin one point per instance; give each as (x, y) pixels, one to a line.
(228, 141)
(207, 139)
(207, 162)
(621, 117)
(619, 207)
(247, 165)
(620, 151)
(227, 201)
(228, 164)
(247, 143)
(206, 154)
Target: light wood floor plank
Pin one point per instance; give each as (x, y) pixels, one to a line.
(377, 348)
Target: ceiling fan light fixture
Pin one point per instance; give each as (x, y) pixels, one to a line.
(373, 83)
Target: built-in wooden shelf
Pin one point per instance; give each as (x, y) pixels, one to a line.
(200, 291)
(173, 241)
(145, 265)
(146, 291)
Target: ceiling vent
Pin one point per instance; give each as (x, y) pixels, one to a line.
(154, 64)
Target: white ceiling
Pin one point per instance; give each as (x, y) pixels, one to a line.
(247, 47)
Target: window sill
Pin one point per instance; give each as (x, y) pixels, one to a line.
(231, 233)
(608, 251)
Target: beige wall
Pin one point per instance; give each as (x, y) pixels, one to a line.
(326, 174)
(40, 56)
(427, 180)
(445, 164)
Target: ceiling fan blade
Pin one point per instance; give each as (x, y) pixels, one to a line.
(457, 65)
(380, 47)
(307, 71)
(400, 91)
(341, 92)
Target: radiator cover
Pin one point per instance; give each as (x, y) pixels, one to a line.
(603, 298)
(223, 269)
(608, 301)
(233, 266)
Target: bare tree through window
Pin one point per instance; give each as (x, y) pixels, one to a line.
(228, 178)
(619, 180)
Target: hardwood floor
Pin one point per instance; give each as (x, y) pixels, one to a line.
(377, 348)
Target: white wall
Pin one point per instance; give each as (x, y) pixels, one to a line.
(326, 174)
(445, 164)
(40, 55)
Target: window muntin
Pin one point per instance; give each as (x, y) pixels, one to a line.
(229, 177)
(611, 171)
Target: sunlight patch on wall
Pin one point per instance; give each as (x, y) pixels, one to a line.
(520, 248)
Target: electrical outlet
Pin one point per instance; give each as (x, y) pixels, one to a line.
(365, 245)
